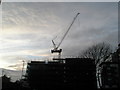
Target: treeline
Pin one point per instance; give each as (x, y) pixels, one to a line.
(7, 84)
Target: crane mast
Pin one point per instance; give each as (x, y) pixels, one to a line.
(56, 50)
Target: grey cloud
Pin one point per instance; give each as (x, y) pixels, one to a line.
(41, 22)
(14, 74)
(36, 24)
(61, 1)
(24, 14)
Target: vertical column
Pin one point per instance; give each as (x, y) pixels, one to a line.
(0, 31)
(119, 40)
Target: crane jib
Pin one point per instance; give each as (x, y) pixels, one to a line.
(56, 50)
(68, 30)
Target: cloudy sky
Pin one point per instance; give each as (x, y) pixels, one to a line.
(29, 27)
(60, 0)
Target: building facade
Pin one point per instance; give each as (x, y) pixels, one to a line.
(73, 73)
(109, 75)
(109, 72)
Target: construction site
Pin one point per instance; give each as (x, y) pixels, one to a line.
(62, 73)
(72, 73)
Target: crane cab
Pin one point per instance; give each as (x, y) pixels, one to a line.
(56, 51)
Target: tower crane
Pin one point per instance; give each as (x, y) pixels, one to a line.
(56, 47)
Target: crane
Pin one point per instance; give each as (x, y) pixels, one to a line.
(56, 50)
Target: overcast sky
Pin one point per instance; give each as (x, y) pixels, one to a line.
(28, 28)
(60, 0)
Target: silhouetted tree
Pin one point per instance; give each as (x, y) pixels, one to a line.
(6, 82)
(18, 85)
(6, 79)
(98, 52)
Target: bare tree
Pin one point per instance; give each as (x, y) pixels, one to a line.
(98, 52)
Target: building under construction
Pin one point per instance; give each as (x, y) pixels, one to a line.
(69, 73)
